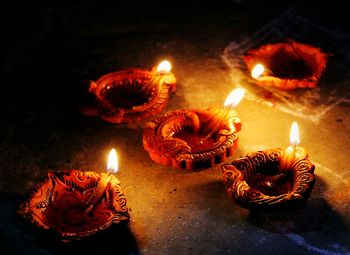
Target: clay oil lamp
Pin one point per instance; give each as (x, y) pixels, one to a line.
(271, 179)
(131, 95)
(74, 204)
(192, 139)
(287, 66)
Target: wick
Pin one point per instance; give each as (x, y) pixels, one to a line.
(97, 195)
(217, 123)
(294, 147)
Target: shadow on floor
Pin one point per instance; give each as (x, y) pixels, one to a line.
(317, 215)
(25, 238)
(117, 239)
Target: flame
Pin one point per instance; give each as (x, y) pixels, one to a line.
(234, 97)
(294, 134)
(257, 71)
(164, 67)
(112, 164)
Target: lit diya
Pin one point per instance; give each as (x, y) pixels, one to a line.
(131, 95)
(192, 139)
(75, 204)
(289, 65)
(271, 179)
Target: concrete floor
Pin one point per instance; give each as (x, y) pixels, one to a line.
(54, 49)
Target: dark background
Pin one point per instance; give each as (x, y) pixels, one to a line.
(51, 47)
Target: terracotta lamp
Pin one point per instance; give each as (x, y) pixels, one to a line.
(287, 66)
(192, 139)
(270, 179)
(75, 204)
(131, 95)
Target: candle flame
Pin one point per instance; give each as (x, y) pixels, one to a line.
(257, 71)
(164, 67)
(294, 134)
(234, 97)
(112, 164)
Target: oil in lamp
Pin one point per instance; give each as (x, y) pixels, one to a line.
(192, 139)
(131, 95)
(74, 204)
(271, 179)
(287, 65)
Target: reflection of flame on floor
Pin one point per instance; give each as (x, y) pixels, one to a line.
(308, 104)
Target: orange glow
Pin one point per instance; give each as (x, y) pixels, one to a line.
(294, 134)
(164, 67)
(257, 71)
(234, 97)
(112, 164)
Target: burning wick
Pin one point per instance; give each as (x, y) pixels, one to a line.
(257, 71)
(112, 163)
(164, 67)
(112, 167)
(232, 100)
(289, 153)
